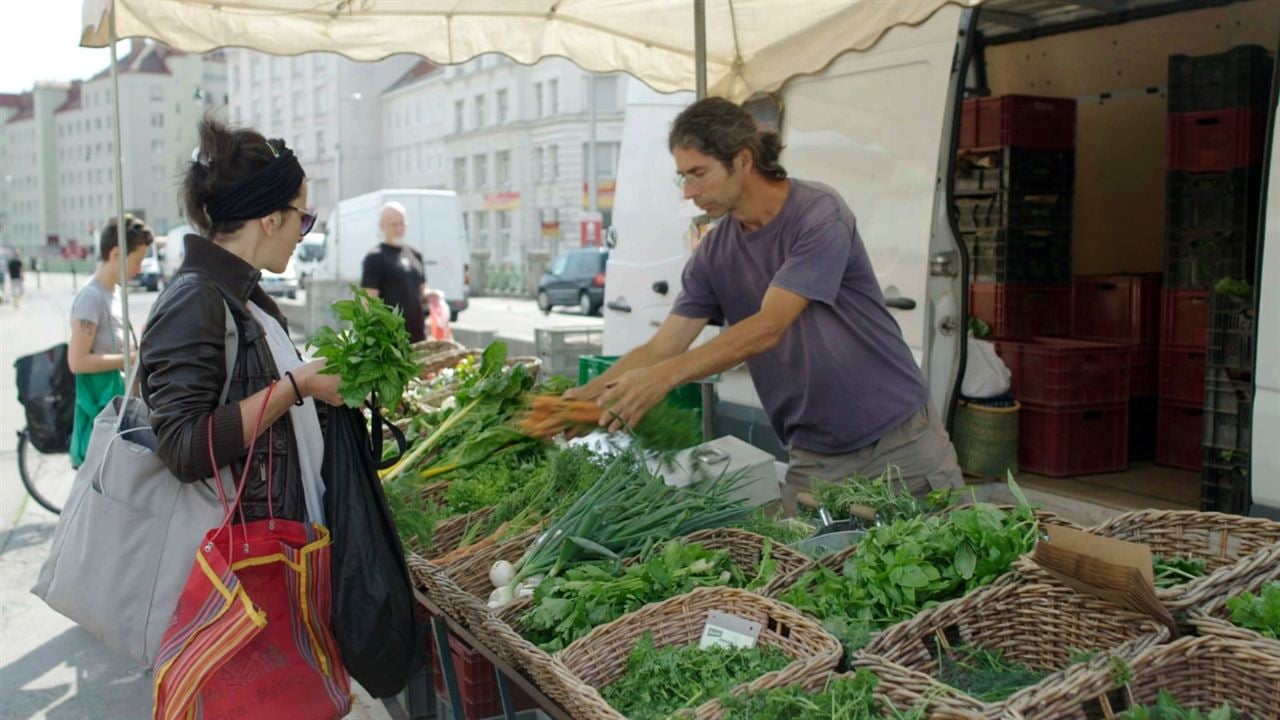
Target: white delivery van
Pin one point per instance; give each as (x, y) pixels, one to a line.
(433, 227)
(882, 127)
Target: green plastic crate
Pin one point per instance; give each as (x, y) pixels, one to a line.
(688, 396)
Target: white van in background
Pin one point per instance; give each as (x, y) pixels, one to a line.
(433, 228)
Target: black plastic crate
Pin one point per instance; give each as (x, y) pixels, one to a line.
(1019, 256)
(1200, 258)
(1224, 482)
(1228, 410)
(1227, 200)
(1143, 414)
(1015, 211)
(1238, 77)
(1231, 332)
(1015, 169)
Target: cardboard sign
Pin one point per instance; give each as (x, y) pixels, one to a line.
(725, 630)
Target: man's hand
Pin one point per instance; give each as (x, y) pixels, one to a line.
(627, 399)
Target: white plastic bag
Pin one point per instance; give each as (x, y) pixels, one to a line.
(985, 374)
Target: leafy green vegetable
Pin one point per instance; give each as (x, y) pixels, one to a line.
(978, 327)
(660, 682)
(985, 674)
(912, 564)
(783, 530)
(845, 698)
(1260, 613)
(627, 510)
(1172, 572)
(1167, 708)
(568, 607)
(1237, 288)
(372, 355)
(887, 495)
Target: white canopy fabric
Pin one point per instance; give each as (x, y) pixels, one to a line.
(752, 45)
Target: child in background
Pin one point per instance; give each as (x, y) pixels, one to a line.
(438, 316)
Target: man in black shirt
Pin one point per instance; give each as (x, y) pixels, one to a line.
(396, 273)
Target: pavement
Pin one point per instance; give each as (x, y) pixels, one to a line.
(49, 667)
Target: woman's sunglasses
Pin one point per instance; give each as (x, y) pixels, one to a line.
(308, 219)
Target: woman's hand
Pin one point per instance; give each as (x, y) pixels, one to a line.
(316, 385)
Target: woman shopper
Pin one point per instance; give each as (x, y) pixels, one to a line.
(248, 197)
(94, 353)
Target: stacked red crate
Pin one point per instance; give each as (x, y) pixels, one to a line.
(1075, 404)
(1184, 337)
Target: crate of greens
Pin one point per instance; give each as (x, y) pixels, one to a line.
(1249, 612)
(1198, 556)
(650, 664)
(1193, 678)
(871, 690)
(1012, 639)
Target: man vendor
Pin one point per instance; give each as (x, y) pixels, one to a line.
(786, 270)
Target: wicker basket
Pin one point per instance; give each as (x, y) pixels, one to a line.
(986, 439)
(1230, 545)
(600, 658)
(428, 348)
(1038, 625)
(1200, 672)
(1213, 617)
(903, 689)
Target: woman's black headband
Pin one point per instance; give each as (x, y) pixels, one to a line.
(268, 190)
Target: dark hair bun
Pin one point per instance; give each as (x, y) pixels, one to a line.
(225, 157)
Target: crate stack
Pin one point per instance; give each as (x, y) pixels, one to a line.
(1216, 135)
(1125, 309)
(1013, 189)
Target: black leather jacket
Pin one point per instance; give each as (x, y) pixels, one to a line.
(183, 368)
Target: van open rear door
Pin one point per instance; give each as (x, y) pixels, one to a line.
(876, 126)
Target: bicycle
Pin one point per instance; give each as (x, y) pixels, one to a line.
(46, 390)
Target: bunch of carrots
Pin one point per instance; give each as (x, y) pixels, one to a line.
(550, 415)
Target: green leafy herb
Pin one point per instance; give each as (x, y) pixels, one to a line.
(887, 495)
(912, 564)
(1236, 288)
(568, 607)
(660, 682)
(372, 355)
(1167, 708)
(847, 698)
(782, 530)
(1260, 613)
(1174, 571)
(985, 674)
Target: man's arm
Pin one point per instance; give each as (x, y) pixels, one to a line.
(630, 394)
(673, 338)
(371, 274)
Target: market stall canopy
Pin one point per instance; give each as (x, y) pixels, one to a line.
(752, 45)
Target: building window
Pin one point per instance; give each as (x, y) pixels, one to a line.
(460, 174)
(459, 115)
(503, 108)
(537, 99)
(607, 99)
(277, 112)
(606, 160)
(298, 67)
(480, 118)
(480, 168)
(157, 93)
(503, 249)
(299, 104)
(321, 148)
(502, 169)
(553, 91)
(323, 99)
(553, 162)
(157, 120)
(481, 225)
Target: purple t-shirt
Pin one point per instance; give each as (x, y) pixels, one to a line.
(842, 375)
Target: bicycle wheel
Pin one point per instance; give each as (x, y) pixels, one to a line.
(48, 478)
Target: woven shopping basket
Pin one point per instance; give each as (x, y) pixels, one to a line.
(1214, 617)
(1200, 672)
(1038, 625)
(897, 687)
(1230, 545)
(600, 658)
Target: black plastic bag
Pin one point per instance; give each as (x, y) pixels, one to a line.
(375, 619)
(47, 391)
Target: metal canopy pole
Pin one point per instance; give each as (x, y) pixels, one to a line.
(700, 78)
(122, 247)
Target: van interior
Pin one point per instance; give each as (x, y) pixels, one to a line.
(1113, 58)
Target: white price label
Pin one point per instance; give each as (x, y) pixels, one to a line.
(725, 630)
